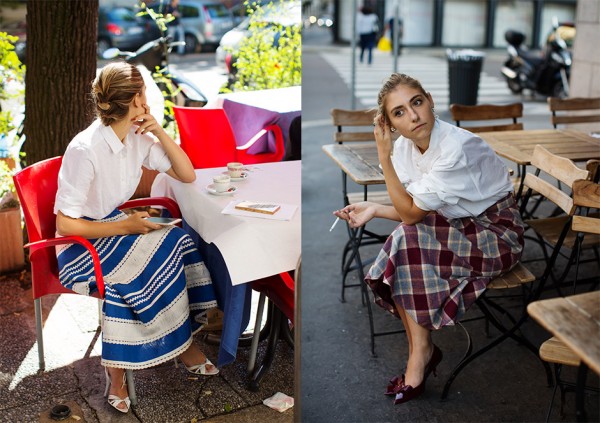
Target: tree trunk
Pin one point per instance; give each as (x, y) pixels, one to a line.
(61, 64)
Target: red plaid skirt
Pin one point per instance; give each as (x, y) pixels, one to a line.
(436, 269)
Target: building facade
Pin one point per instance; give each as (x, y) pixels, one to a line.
(461, 23)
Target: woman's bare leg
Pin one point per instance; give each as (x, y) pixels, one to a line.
(117, 387)
(420, 349)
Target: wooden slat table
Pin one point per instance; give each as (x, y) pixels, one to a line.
(575, 320)
(518, 146)
(358, 160)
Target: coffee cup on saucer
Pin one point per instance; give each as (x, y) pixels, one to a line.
(221, 183)
(235, 169)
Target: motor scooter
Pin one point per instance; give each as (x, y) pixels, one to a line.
(546, 73)
(154, 56)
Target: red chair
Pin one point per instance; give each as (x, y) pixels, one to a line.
(208, 139)
(280, 290)
(36, 187)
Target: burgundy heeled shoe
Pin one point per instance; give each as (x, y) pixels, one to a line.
(436, 358)
(407, 392)
(396, 383)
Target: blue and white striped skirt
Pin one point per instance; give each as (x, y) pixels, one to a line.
(157, 293)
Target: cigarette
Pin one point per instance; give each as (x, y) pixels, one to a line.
(337, 219)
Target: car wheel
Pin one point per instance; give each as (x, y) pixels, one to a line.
(103, 45)
(191, 44)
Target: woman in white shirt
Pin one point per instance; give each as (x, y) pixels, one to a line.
(157, 288)
(459, 229)
(367, 27)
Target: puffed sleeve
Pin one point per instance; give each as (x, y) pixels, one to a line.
(74, 181)
(447, 182)
(157, 158)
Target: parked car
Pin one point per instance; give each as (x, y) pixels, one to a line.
(240, 10)
(204, 22)
(120, 27)
(284, 13)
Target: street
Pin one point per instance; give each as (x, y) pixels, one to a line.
(341, 380)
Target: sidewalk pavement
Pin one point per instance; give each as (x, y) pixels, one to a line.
(341, 381)
(75, 377)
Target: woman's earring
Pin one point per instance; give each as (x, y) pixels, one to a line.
(392, 129)
(434, 115)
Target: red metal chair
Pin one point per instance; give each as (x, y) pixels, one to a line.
(280, 290)
(36, 187)
(209, 141)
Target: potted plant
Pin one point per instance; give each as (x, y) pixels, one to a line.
(12, 256)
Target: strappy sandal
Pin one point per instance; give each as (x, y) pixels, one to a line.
(114, 400)
(200, 369)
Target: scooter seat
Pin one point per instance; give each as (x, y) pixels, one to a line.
(531, 58)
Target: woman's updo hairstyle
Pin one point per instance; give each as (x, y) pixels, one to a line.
(113, 91)
(390, 85)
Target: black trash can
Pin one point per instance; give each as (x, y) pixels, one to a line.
(464, 70)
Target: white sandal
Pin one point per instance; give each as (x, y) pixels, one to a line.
(114, 400)
(200, 369)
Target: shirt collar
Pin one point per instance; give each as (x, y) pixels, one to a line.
(111, 139)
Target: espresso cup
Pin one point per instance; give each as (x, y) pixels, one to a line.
(235, 169)
(221, 183)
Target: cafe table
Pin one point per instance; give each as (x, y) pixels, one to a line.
(240, 248)
(518, 146)
(359, 161)
(575, 320)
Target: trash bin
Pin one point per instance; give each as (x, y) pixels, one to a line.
(464, 70)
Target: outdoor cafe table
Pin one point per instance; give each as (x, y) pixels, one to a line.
(239, 249)
(518, 146)
(575, 320)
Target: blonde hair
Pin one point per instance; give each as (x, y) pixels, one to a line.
(390, 85)
(113, 91)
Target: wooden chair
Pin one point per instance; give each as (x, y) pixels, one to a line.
(520, 277)
(360, 123)
(574, 110)
(363, 121)
(487, 112)
(586, 194)
(554, 232)
(357, 126)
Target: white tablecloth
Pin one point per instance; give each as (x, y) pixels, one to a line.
(282, 100)
(252, 248)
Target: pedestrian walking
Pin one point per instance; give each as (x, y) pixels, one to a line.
(459, 224)
(367, 28)
(390, 28)
(175, 27)
(158, 290)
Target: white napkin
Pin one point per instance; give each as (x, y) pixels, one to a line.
(279, 402)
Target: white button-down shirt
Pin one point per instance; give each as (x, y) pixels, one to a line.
(99, 172)
(458, 176)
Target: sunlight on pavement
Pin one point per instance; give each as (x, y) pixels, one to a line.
(69, 331)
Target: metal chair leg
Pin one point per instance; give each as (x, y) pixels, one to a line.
(131, 386)
(256, 334)
(39, 332)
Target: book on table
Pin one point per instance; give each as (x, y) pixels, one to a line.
(258, 207)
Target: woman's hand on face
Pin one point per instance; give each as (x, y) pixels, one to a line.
(138, 224)
(357, 214)
(383, 137)
(146, 122)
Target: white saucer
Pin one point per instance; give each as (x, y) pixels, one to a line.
(211, 190)
(243, 176)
